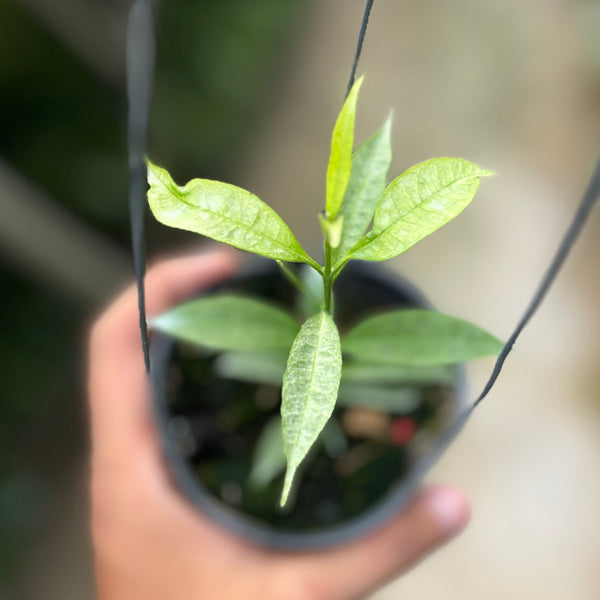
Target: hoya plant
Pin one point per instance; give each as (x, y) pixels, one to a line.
(363, 219)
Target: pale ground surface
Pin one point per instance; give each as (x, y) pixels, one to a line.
(511, 87)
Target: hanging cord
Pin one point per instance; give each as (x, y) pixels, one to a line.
(359, 45)
(140, 74)
(572, 234)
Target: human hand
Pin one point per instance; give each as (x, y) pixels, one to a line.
(150, 544)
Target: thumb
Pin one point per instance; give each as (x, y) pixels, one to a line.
(352, 572)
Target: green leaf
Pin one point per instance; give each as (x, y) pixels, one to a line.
(370, 165)
(313, 300)
(384, 374)
(269, 457)
(266, 367)
(417, 203)
(387, 399)
(228, 322)
(340, 159)
(224, 213)
(418, 337)
(268, 460)
(310, 386)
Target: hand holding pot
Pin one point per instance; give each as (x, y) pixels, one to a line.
(149, 543)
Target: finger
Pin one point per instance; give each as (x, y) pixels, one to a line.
(352, 572)
(118, 386)
(167, 283)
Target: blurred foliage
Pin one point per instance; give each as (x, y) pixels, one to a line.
(63, 128)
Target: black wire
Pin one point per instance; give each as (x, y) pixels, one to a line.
(359, 45)
(140, 75)
(581, 216)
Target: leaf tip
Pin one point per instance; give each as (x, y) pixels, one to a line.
(498, 345)
(152, 168)
(159, 177)
(287, 486)
(358, 83)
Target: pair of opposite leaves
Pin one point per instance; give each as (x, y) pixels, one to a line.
(412, 206)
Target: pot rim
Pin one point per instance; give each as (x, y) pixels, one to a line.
(250, 527)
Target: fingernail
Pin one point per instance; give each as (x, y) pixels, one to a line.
(449, 508)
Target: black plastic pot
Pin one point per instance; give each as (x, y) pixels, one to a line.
(210, 467)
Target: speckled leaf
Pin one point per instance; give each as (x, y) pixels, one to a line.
(370, 165)
(418, 337)
(417, 203)
(340, 160)
(227, 322)
(223, 212)
(310, 386)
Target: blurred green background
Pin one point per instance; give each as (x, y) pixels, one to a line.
(248, 92)
(63, 163)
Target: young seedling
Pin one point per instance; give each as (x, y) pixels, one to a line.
(364, 220)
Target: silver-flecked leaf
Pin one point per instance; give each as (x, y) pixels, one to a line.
(340, 159)
(417, 203)
(223, 212)
(310, 387)
(370, 164)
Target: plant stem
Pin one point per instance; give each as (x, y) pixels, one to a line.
(295, 281)
(327, 279)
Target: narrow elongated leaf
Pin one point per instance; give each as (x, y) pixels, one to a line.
(227, 322)
(310, 386)
(388, 399)
(355, 371)
(266, 367)
(340, 159)
(268, 461)
(418, 337)
(224, 213)
(370, 165)
(313, 300)
(269, 457)
(417, 203)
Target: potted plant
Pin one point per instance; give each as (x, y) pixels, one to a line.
(312, 398)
